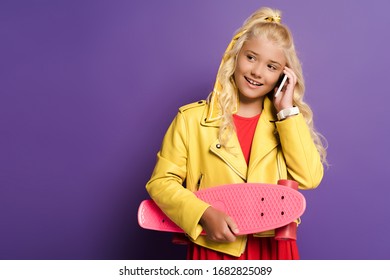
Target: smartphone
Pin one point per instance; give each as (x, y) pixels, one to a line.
(282, 81)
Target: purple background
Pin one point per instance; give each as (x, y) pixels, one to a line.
(88, 88)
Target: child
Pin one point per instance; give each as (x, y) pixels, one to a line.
(242, 133)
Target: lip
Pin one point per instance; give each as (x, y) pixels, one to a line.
(252, 82)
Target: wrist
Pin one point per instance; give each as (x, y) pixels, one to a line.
(287, 112)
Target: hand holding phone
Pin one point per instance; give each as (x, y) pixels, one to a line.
(281, 85)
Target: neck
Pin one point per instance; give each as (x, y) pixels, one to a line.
(250, 109)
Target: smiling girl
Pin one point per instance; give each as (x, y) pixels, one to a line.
(242, 133)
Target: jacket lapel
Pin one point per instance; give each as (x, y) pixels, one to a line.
(231, 155)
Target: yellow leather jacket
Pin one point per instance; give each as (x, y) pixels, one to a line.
(191, 158)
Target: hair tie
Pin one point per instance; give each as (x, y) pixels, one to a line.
(276, 19)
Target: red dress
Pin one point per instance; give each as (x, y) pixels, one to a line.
(258, 248)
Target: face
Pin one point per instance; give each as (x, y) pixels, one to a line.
(259, 66)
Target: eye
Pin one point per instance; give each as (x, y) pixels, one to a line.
(250, 57)
(272, 67)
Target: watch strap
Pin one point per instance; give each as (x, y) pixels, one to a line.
(287, 113)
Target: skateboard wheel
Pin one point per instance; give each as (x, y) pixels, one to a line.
(288, 183)
(288, 232)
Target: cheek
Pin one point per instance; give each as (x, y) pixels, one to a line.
(274, 79)
(242, 65)
(237, 72)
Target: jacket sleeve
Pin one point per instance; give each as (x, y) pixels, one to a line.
(302, 158)
(166, 183)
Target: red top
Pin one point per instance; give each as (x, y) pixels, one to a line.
(246, 128)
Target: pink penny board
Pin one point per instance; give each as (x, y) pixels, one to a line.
(255, 207)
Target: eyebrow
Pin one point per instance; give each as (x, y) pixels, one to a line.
(272, 61)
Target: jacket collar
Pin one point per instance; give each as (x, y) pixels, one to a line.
(212, 114)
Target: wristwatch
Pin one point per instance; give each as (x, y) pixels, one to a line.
(287, 113)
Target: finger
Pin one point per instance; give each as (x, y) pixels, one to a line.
(292, 77)
(288, 90)
(228, 236)
(224, 235)
(232, 225)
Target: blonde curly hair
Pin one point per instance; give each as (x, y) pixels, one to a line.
(264, 22)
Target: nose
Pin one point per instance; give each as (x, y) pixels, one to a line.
(257, 70)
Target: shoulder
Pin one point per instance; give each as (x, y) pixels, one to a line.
(193, 107)
(193, 113)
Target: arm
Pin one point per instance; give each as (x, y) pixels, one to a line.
(301, 155)
(166, 184)
(302, 158)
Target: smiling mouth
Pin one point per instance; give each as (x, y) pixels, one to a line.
(252, 82)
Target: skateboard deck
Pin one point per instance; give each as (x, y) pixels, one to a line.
(255, 207)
